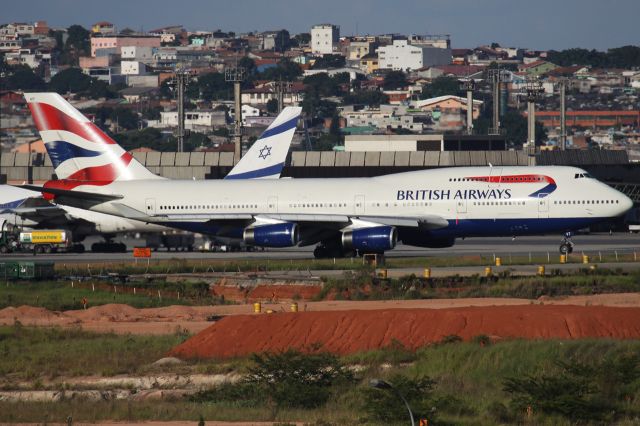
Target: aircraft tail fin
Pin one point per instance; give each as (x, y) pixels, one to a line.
(78, 149)
(266, 157)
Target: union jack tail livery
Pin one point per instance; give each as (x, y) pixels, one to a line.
(80, 152)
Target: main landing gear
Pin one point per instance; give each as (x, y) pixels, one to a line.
(566, 247)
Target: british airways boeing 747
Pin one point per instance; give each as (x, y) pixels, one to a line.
(429, 208)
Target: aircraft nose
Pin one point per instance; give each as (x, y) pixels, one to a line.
(625, 203)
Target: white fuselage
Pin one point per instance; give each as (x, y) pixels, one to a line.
(459, 195)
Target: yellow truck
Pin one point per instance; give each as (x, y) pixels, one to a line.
(45, 241)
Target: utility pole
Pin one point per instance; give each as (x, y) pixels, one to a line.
(469, 86)
(533, 92)
(182, 78)
(563, 114)
(495, 75)
(236, 75)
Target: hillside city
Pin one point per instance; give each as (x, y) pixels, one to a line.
(386, 84)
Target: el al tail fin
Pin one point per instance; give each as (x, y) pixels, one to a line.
(78, 149)
(266, 157)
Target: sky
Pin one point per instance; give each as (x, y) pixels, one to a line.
(537, 24)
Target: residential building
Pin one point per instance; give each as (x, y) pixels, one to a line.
(137, 53)
(133, 68)
(448, 112)
(324, 39)
(403, 56)
(386, 117)
(438, 41)
(193, 120)
(537, 68)
(369, 63)
(103, 27)
(118, 41)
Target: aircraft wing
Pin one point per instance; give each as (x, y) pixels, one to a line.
(72, 194)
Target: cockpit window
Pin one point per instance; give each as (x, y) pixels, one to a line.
(582, 175)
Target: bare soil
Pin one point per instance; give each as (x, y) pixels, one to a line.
(125, 319)
(347, 332)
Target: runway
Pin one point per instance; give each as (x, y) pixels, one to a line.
(591, 244)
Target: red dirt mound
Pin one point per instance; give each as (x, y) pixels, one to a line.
(345, 332)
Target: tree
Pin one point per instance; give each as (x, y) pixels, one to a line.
(20, 77)
(272, 106)
(77, 45)
(395, 80)
(371, 98)
(286, 70)
(70, 80)
(303, 39)
(441, 86)
(211, 86)
(517, 130)
(283, 41)
(329, 61)
(322, 84)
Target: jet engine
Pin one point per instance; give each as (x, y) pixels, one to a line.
(376, 239)
(272, 235)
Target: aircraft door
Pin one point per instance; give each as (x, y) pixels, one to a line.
(272, 204)
(358, 204)
(150, 206)
(461, 206)
(543, 206)
(494, 177)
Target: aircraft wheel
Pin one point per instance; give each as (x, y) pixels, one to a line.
(566, 248)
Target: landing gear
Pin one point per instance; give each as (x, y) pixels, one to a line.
(108, 247)
(566, 247)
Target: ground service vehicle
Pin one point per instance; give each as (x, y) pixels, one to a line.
(177, 242)
(45, 241)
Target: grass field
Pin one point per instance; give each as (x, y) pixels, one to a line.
(469, 377)
(360, 285)
(65, 295)
(249, 265)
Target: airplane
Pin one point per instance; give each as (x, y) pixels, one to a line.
(27, 208)
(427, 208)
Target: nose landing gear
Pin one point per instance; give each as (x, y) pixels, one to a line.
(566, 247)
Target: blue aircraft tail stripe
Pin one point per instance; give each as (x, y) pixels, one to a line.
(61, 151)
(280, 128)
(267, 171)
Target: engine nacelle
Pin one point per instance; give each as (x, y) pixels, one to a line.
(376, 239)
(273, 235)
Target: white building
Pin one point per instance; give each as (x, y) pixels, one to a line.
(249, 111)
(406, 57)
(324, 39)
(132, 68)
(385, 117)
(201, 119)
(137, 53)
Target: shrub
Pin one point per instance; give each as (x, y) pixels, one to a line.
(293, 379)
(579, 391)
(386, 406)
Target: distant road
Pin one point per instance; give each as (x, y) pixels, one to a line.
(590, 244)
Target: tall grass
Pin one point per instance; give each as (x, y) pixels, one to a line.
(32, 353)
